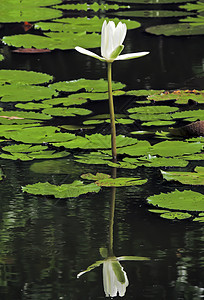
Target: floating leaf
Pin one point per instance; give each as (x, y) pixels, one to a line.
(23, 77)
(95, 6)
(37, 135)
(158, 123)
(99, 85)
(32, 106)
(71, 190)
(15, 12)
(194, 178)
(154, 161)
(66, 112)
(153, 109)
(96, 141)
(186, 200)
(53, 40)
(176, 29)
(175, 148)
(68, 101)
(25, 93)
(95, 158)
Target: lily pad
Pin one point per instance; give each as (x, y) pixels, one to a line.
(96, 141)
(71, 190)
(185, 200)
(154, 161)
(175, 148)
(24, 77)
(93, 158)
(37, 135)
(178, 29)
(88, 85)
(53, 40)
(66, 112)
(95, 6)
(18, 12)
(25, 93)
(193, 178)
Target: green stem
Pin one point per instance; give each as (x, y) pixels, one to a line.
(112, 115)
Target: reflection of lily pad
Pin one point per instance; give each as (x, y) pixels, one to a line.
(186, 200)
(194, 178)
(85, 6)
(105, 180)
(71, 190)
(172, 215)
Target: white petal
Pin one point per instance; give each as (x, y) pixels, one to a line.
(120, 33)
(103, 38)
(89, 53)
(131, 55)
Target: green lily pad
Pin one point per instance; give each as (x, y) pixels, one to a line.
(66, 112)
(67, 101)
(199, 6)
(16, 12)
(153, 1)
(200, 218)
(139, 149)
(53, 40)
(25, 148)
(96, 141)
(93, 158)
(158, 123)
(32, 106)
(37, 135)
(23, 77)
(186, 200)
(47, 154)
(105, 180)
(25, 93)
(153, 109)
(72, 190)
(99, 85)
(15, 115)
(178, 29)
(193, 178)
(1, 57)
(95, 24)
(154, 161)
(175, 148)
(192, 115)
(95, 6)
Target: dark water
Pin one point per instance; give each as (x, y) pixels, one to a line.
(45, 243)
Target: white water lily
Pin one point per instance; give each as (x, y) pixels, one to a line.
(112, 38)
(115, 278)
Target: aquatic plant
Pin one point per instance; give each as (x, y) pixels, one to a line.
(112, 38)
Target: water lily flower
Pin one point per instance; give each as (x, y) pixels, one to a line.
(112, 38)
(115, 278)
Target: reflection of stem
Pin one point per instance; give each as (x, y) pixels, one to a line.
(112, 210)
(112, 115)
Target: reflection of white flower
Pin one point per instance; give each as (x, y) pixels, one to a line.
(112, 38)
(114, 278)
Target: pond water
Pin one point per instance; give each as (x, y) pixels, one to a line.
(45, 241)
